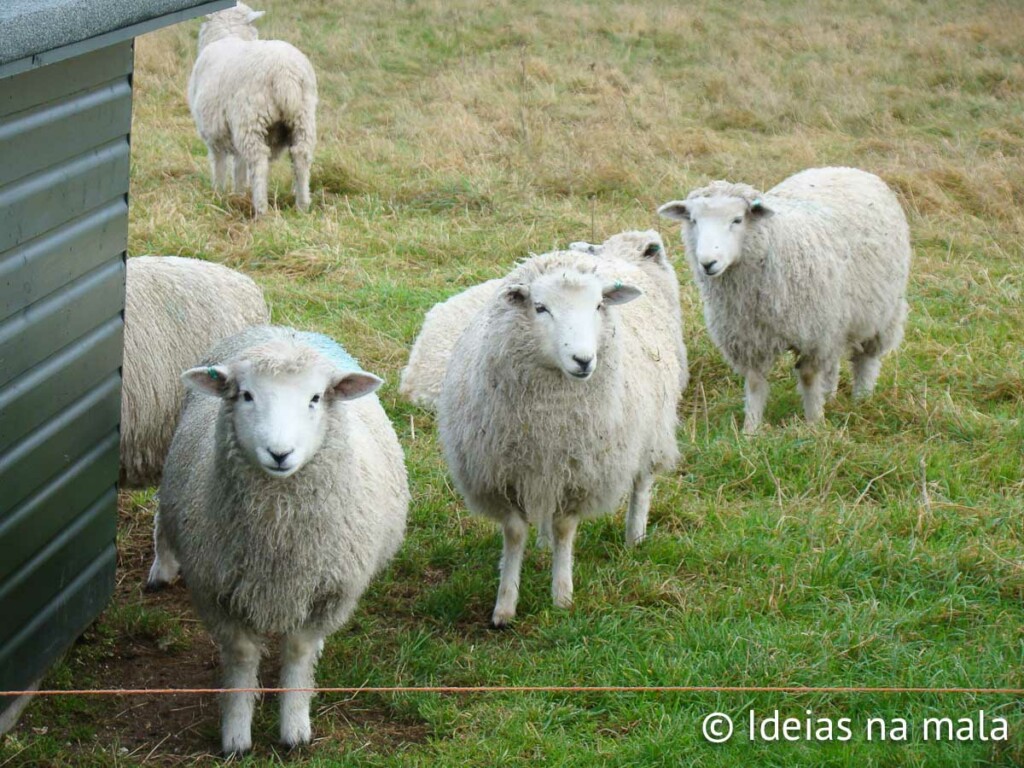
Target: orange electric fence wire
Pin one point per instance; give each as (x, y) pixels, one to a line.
(455, 689)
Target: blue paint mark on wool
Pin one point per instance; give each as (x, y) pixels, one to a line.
(331, 350)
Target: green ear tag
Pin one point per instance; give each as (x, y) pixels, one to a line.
(618, 284)
(212, 373)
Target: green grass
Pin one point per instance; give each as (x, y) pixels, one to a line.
(883, 547)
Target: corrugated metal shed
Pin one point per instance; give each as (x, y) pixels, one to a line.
(65, 123)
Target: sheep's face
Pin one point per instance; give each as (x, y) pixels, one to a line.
(714, 229)
(279, 419)
(566, 315)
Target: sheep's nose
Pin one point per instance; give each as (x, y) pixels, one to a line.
(709, 268)
(583, 363)
(280, 457)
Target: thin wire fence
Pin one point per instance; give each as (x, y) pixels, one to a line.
(459, 689)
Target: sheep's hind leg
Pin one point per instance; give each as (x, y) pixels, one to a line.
(561, 560)
(252, 147)
(165, 566)
(300, 168)
(298, 664)
(756, 397)
(639, 506)
(515, 530)
(219, 169)
(240, 657)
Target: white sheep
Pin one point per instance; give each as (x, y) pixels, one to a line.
(251, 100)
(284, 493)
(559, 399)
(175, 310)
(421, 379)
(817, 265)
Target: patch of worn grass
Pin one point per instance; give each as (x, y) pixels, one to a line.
(881, 548)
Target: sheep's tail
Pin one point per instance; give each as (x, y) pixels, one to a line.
(296, 95)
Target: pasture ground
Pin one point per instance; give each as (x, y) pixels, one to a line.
(881, 548)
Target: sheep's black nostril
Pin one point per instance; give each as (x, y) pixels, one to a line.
(710, 267)
(279, 457)
(583, 362)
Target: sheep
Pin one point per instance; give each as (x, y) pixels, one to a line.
(560, 398)
(421, 379)
(817, 265)
(251, 99)
(175, 310)
(284, 493)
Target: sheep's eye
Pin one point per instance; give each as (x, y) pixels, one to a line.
(651, 250)
(738, 220)
(315, 400)
(600, 306)
(247, 396)
(540, 308)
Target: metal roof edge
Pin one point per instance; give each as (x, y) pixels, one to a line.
(110, 38)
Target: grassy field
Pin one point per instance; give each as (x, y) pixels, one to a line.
(884, 547)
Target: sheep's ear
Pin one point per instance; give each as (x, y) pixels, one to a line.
(675, 210)
(585, 247)
(652, 251)
(517, 294)
(349, 386)
(759, 210)
(620, 293)
(254, 15)
(212, 380)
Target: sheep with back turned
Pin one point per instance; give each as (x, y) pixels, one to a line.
(251, 100)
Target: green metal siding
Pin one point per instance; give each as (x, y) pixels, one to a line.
(63, 231)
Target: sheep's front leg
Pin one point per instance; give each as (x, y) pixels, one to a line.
(219, 169)
(756, 397)
(809, 382)
(165, 566)
(830, 380)
(865, 373)
(240, 657)
(241, 171)
(515, 530)
(298, 664)
(639, 506)
(561, 560)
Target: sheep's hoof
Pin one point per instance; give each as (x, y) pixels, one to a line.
(154, 585)
(236, 749)
(501, 621)
(297, 741)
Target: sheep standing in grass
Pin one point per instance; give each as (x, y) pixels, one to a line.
(559, 399)
(424, 374)
(284, 493)
(251, 100)
(175, 310)
(817, 265)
